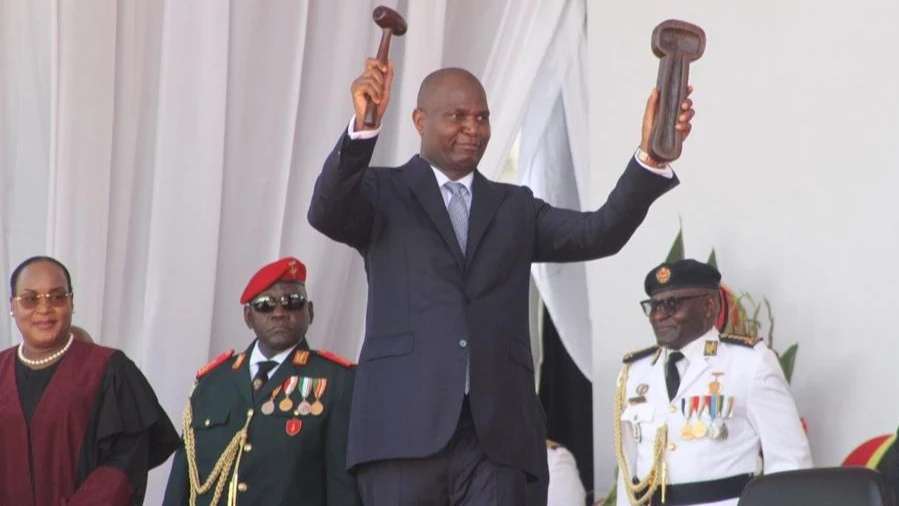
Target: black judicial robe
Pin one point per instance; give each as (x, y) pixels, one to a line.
(94, 431)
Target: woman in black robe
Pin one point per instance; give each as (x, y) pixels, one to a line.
(79, 423)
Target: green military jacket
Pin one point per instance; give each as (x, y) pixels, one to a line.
(269, 451)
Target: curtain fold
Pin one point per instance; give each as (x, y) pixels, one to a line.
(552, 163)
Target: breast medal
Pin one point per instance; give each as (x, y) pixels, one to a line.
(290, 384)
(268, 407)
(304, 408)
(318, 390)
(699, 428)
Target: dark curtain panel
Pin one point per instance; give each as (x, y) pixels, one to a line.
(567, 398)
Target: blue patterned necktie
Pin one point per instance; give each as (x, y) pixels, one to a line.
(458, 212)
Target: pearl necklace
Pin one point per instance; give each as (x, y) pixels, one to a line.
(46, 360)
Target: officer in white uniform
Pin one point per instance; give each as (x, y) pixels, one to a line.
(698, 415)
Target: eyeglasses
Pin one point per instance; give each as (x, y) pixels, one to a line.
(290, 302)
(669, 305)
(31, 301)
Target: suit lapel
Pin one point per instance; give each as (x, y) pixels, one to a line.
(485, 200)
(421, 180)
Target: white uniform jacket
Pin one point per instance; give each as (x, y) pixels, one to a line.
(716, 372)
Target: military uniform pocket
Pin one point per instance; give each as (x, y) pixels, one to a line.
(211, 416)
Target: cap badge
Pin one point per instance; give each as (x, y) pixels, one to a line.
(663, 275)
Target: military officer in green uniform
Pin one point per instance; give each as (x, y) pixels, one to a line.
(268, 426)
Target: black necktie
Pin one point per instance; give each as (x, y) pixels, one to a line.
(262, 373)
(672, 377)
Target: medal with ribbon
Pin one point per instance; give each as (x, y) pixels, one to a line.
(269, 406)
(290, 384)
(689, 405)
(699, 428)
(305, 387)
(714, 414)
(318, 390)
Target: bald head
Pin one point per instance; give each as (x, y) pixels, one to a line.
(440, 80)
(453, 120)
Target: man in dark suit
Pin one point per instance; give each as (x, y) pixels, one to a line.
(268, 426)
(445, 410)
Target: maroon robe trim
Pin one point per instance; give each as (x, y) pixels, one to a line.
(57, 428)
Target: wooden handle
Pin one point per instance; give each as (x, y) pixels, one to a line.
(371, 109)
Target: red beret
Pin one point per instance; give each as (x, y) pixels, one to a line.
(286, 269)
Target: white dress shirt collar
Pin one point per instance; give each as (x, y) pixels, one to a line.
(256, 356)
(442, 179)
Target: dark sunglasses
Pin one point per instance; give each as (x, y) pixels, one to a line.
(290, 302)
(31, 301)
(668, 305)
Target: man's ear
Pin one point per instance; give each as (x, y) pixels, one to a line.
(418, 119)
(712, 306)
(311, 311)
(247, 317)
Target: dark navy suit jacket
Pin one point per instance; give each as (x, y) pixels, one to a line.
(430, 304)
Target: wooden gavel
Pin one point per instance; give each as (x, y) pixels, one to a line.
(392, 24)
(676, 43)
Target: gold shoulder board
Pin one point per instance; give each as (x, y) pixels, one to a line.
(748, 341)
(637, 355)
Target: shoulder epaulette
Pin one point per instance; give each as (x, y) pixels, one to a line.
(219, 360)
(300, 357)
(747, 341)
(333, 357)
(637, 355)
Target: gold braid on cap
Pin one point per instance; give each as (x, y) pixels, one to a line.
(646, 487)
(219, 474)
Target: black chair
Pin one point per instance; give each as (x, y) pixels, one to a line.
(826, 486)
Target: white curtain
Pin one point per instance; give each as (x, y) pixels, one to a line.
(553, 162)
(164, 151)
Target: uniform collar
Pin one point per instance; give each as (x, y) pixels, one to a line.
(696, 348)
(256, 356)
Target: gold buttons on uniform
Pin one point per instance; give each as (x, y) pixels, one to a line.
(248, 447)
(672, 409)
(672, 447)
(241, 487)
(207, 422)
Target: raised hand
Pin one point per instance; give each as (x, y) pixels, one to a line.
(374, 83)
(683, 125)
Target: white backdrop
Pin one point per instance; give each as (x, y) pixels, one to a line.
(790, 174)
(165, 150)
